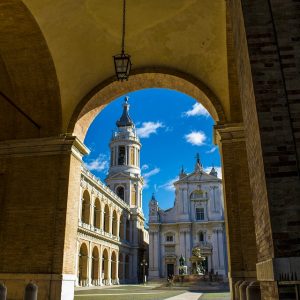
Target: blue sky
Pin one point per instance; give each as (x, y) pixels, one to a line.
(173, 128)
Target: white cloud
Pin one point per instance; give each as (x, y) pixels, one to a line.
(100, 164)
(196, 138)
(169, 184)
(144, 167)
(218, 169)
(197, 110)
(212, 150)
(148, 175)
(148, 128)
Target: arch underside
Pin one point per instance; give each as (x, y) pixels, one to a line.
(104, 93)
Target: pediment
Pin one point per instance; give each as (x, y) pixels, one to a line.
(119, 175)
(197, 176)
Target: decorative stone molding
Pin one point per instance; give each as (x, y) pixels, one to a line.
(279, 269)
(228, 133)
(44, 146)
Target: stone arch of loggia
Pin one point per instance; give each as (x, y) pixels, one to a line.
(241, 246)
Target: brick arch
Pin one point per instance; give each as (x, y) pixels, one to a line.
(30, 101)
(110, 89)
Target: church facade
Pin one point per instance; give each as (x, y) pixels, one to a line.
(111, 238)
(196, 221)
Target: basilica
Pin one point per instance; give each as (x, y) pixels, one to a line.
(111, 238)
(195, 222)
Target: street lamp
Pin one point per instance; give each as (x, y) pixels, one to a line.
(144, 264)
(122, 61)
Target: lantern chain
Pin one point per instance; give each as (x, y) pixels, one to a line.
(123, 33)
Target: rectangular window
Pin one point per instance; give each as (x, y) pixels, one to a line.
(169, 238)
(199, 213)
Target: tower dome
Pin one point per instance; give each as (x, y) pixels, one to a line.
(124, 175)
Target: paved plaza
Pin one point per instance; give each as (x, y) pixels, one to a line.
(148, 292)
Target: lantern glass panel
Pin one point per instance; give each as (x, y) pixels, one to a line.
(122, 66)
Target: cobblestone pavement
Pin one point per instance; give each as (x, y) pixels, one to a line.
(148, 292)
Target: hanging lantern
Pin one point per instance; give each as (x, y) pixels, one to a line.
(122, 61)
(122, 66)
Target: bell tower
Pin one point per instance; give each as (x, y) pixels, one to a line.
(124, 176)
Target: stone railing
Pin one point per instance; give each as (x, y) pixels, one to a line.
(99, 231)
(102, 187)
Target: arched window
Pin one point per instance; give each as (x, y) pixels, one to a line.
(114, 223)
(97, 214)
(85, 211)
(83, 265)
(120, 192)
(95, 266)
(121, 158)
(106, 218)
(122, 236)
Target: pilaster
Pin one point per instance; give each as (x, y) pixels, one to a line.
(47, 174)
(240, 229)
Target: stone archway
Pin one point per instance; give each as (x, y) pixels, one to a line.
(29, 78)
(97, 211)
(106, 218)
(95, 266)
(110, 89)
(86, 207)
(105, 266)
(114, 273)
(114, 223)
(230, 137)
(83, 265)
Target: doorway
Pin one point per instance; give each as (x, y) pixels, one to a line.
(170, 270)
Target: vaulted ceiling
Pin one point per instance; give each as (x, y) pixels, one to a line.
(83, 35)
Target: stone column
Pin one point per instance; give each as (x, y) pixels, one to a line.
(130, 269)
(238, 207)
(154, 252)
(80, 204)
(215, 255)
(131, 231)
(102, 216)
(134, 227)
(118, 225)
(91, 221)
(117, 269)
(135, 265)
(100, 265)
(116, 155)
(109, 268)
(47, 228)
(124, 227)
(110, 219)
(77, 262)
(221, 250)
(89, 264)
(124, 268)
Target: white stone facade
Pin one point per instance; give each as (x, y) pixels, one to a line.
(112, 240)
(195, 220)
